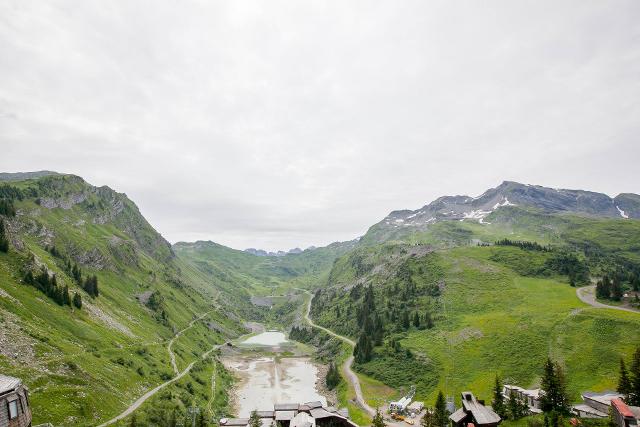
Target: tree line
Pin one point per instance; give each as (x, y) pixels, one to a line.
(524, 244)
(48, 284)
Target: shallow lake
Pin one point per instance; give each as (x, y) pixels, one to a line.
(267, 380)
(269, 338)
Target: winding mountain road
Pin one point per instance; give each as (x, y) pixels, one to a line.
(346, 367)
(587, 294)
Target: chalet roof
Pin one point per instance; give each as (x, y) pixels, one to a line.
(458, 415)
(8, 384)
(285, 415)
(303, 415)
(604, 398)
(286, 406)
(622, 408)
(481, 414)
(234, 421)
(589, 410)
(321, 413)
(535, 392)
(344, 412)
(314, 404)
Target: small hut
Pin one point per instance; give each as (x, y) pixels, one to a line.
(14, 403)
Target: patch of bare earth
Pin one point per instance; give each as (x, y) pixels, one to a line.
(465, 335)
(16, 346)
(96, 313)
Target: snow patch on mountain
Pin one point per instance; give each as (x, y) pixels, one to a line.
(505, 202)
(622, 214)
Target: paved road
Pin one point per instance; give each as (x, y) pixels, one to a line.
(587, 294)
(135, 405)
(346, 367)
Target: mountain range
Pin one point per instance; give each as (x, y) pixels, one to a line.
(439, 264)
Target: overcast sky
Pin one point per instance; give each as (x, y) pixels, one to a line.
(280, 124)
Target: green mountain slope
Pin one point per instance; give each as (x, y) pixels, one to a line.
(85, 365)
(442, 307)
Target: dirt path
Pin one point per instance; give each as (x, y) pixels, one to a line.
(135, 405)
(587, 295)
(177, 335)
(346, 367)
(213, 389)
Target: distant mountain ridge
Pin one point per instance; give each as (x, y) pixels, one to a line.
(262, 252)
(509, 193)
(21, 176)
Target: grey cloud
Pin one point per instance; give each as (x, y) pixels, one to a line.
(291, 123)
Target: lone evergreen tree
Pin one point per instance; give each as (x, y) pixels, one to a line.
(77, 300)
(498, 399)
(254, 419)
(201, 421)
(554, 397)
(405, 320)
(378, 421)
(634, 395)
(441, 414)
(333, 377)
(4, 243)
(517, 407)
(416, 320)
(429, 418)
(66, 299)
(363, 349)
(624, 383)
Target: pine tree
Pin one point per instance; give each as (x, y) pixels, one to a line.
(616, 290)
(254, 419)
(66, 299)
(634, 395)
(363, 349)
(77, 300)
(603, 288)
(91, 285)
(201, 421)
(4, 243)
(405, 320)
(517, 408)
(428, 321)
(429, 418)
(498, 399)
(77, 274)
(440, 411)
(416, 320)
(333, 377)
(624, 383)
(378, 421)
(554, 397)
(28, 278)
